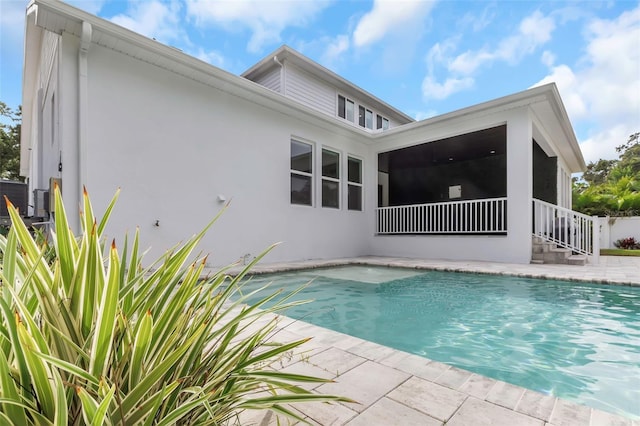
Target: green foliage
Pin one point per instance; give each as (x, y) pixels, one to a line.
(88, 336)
(10, 143)
(611, 187)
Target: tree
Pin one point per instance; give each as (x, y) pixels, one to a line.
(630, 154)
(10, 143)
(597, 173)
(611, 187)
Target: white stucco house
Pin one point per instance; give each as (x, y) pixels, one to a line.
(305, 156)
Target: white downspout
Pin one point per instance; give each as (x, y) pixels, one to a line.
(283, 82)
(83, 52)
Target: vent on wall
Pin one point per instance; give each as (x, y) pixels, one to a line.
(17, 193)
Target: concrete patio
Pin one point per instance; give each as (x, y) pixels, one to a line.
(398, 388)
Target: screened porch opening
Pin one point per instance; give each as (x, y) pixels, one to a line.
(456, 185)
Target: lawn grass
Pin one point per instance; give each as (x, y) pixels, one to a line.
(619, 252)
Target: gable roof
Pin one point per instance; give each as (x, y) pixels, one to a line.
(286, 54)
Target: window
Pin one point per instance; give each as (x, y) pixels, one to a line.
(369, 119)
(345, 108)
(354, 186)
(365, 117)
(381, 122)
(330, 179)
(301, 173)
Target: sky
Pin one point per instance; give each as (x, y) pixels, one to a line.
(423, 57)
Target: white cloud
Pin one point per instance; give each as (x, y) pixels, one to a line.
(431, 89)
(335, 48)
(603, 91)
(548, 58)
(478, 23)
(153, 19)
(603, 144)
(388, 16)
(211, 57)
(533, 31)
(265, 19)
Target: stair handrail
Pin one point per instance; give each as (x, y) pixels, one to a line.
(567, 228)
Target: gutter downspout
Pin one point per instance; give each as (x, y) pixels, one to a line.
(283, 82)
(83, 52)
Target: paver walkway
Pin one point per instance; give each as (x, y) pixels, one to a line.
(398, 388)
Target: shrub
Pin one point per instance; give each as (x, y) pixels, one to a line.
(628, 244)
(87, 338)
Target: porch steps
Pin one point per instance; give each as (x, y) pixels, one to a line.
(545, 252)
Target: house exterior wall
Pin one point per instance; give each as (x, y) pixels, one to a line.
(178, 142)
(45, 147)
(173, 145)
(271, 80)
(308, 90)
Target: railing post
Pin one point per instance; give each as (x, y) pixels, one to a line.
(596, 239)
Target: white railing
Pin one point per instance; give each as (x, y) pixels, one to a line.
(487, 216)
(578, 232)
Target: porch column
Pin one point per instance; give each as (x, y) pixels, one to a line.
(519, 185)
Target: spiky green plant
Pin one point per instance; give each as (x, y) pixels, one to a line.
(94, 338)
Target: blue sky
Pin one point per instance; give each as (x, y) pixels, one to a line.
(425, 58)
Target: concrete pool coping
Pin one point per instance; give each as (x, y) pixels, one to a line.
(395, 387)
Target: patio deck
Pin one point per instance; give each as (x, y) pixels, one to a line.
(398, 388)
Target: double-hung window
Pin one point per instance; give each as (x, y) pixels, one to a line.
(346, 108)
(330, 179)
(354, 185)
(301, 173)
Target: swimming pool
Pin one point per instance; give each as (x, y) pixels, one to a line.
(577, 341)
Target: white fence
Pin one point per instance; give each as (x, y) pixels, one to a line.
(487, 216)
(614, 228)
(567, 228)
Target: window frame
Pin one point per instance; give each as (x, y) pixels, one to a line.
(296, 172)
(327, 178)
(343, 110)
(353, 183)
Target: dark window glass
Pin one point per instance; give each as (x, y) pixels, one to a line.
(301, 157)
(330, 164)
(361, 116)
(330, 193)
(355, 197)
(354, 170)
(378, 121)
(300, 189)
(341, 107)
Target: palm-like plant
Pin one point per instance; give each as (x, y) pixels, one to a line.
(89, 338)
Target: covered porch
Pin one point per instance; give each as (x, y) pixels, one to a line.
(482, 187)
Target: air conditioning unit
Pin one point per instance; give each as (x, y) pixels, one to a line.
(17, 193)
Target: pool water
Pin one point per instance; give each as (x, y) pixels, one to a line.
(573, 340)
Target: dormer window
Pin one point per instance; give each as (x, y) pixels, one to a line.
(346, 108)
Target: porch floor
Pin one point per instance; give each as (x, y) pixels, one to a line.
(398, 388)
